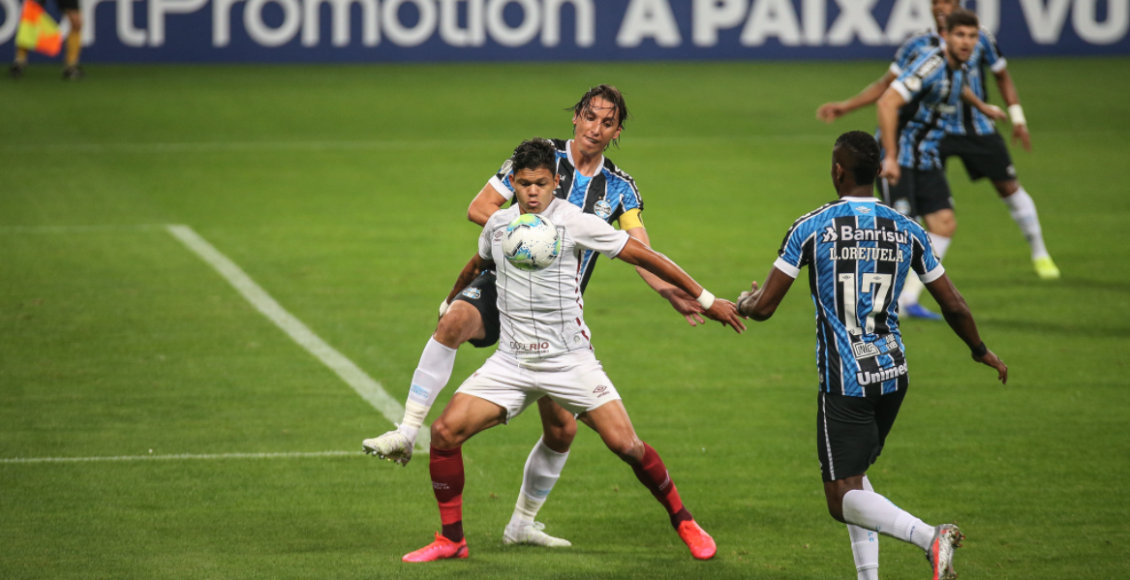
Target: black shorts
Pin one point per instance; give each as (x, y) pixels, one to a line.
(918, 193)
(851, 431)
(482, 294)
(982, 155)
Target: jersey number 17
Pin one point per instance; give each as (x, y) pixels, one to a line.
(878, 285)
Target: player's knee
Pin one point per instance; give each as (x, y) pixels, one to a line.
(1006, 188)
(559, 437)
(443, 437)
(456, 326)
(628, 449)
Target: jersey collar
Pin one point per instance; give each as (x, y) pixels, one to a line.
(569, 153)
(858, 199)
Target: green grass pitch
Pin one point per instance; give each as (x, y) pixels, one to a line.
(342, 191)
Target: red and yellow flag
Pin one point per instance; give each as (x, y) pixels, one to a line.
(38, 31)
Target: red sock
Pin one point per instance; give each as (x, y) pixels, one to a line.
(653, 474)
(446, 467)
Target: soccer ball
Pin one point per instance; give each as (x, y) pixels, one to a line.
(531, 242)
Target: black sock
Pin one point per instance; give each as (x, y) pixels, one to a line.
(681, 516)
(454, 532)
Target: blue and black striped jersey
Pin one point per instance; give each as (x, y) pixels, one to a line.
(932, 91)
(969, 120)
(858, 254)
(611, 195)
(965, 120)
(913, 49)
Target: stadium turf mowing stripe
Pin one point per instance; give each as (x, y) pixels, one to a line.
(181, 457)
(366, 386)
(114, 342)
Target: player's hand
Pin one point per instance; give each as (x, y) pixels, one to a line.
(990, 359)
(725, 312)
(684, 304)
(1020, 133)
(890, 170)
(829, 112)
(995, 113)
(747, 296)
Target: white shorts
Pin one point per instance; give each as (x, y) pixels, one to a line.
(575, 381)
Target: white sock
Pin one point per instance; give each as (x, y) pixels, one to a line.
(913, 287)
(941, 244)
(431, 376)
(543, 468)
(1023, 212)
(874, 512)
(865, 547)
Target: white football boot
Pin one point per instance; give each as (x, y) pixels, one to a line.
(395, 446)
(531, 533)
(947, 538)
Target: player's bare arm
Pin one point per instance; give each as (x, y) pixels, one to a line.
(485, 204)
(888, 114)
(829, 112)
(471, 271)
(759, 303)
(991, 111)
(637, 253)
(682, 302)
(1015, 112)
(960, 319)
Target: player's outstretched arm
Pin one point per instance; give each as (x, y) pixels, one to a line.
(639, 254)
(759, 303)
(960, 319)
(1015, 111)
(468, 275)
(682, 302)
(829, 112)
(992, 111)
(887, 111)
(485, 204)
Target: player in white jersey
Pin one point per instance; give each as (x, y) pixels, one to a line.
(592, 182)
(545, 350)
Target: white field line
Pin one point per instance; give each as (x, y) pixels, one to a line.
(369, 389)
(181, 457)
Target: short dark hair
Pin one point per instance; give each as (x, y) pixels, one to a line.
(536, 153)
(610, 94)
(961, 17)
(863, 156)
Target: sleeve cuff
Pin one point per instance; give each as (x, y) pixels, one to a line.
(901, 89)
(1000, 65)
(620, 248)
(501, 188)
(895, 69)
(932, 274)
(786, 268)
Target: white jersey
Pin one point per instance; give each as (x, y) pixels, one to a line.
(542, 312)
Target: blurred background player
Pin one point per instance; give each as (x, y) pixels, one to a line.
(593, 183)
(970, 135)
(72, 47)
(934, 86)
(860, 254)
(546, 350)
